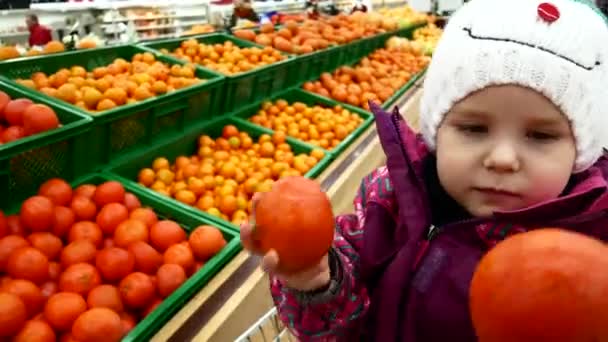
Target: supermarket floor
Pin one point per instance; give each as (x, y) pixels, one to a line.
(238, 296)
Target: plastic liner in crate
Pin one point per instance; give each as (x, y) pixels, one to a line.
(186, 144)
(151, 324)
(26, 163)
(125, 127)
(243, 88)
(299, 95)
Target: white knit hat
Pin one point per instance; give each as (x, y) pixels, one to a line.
(558, 48)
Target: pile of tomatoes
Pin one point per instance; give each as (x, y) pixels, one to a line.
(86, 264)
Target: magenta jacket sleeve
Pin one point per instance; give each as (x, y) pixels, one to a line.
(337, 310)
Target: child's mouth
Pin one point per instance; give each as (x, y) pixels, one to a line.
(498, 194)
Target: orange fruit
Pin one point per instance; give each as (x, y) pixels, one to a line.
(542, 285)
(300, 239)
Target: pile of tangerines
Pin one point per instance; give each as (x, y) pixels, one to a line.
(317, 125)
(117, 84)
(223, 175)
(87, 264)
(226, 58)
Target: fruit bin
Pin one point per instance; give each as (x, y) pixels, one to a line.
(152, 323)
(243, 88)
(29, 161)
(127, 168)
(310, 99)
(117, 130)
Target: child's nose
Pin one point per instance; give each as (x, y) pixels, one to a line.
(547, 12)
(502, 158)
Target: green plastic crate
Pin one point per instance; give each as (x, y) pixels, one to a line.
(299, 95)
(150, 325)
(127, 127)
(129, 166)
(244, 88)
(26, 163)
(310, 66)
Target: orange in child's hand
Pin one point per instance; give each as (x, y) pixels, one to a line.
(294, 218)
(544, 285)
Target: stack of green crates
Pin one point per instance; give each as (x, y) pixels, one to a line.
(127, 127)
(246, 87)
(28, 162)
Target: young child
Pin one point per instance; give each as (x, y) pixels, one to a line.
(511, 140)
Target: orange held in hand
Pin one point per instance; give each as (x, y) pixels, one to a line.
(296, 220)
(544, 285)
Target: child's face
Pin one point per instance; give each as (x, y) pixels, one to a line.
(504, 148)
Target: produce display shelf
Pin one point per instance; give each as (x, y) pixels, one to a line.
(118, 130)
(154, 322)
(127, 167)
(246, 87)
(299, 95)
(28, 162)
(238, 296)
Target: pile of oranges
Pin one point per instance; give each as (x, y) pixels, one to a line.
(116, 84)
(320, 126)
(225, 58)
(225, 172)
(377, 77)
(87, 264)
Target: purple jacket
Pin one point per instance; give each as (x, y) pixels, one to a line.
(396, 279)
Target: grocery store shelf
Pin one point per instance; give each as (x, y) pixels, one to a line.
(238, 296)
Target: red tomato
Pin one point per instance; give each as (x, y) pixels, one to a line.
(86, 230)
(105, 296)
(13, 314)
(114, 263)
(165, 234)
(79, 278)
(63, 308)
(180, 254)
(28, 263)
(36, 330)
(169, 277)
(8, 245)
(64, 219)
(58, 190)
(37, 213)
(137, 290)
(14, 226)
(109, 192)
(98, 325)
(110, 216)
(12, 133)
(29, 293)
(83, 207)
(13, 112)
(80, 251)
(54, 271)
(49, 244)
(86, 190)
(128, 322)
(150, 308)
(147, 259)
(130, 231)
(48, 289)
(39, 118)
(146, 215)
(132, 202)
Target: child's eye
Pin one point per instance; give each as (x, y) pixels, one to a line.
(473, 129)
(542, 136)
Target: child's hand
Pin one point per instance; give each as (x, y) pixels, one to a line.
(308, 280)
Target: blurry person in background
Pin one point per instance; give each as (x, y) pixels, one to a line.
(359, 7)
(39, 35)
(243, 10)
